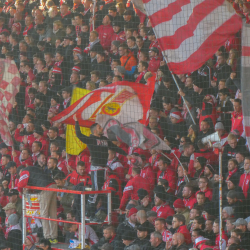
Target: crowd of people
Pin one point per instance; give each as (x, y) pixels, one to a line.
(160, 200)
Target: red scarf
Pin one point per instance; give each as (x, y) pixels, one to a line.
(138, 79)
(25, 32)
(87, 49)
(58, 64)
(230, 173)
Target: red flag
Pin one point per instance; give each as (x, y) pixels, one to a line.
(9, 87)
(125, 101)
(190, 32)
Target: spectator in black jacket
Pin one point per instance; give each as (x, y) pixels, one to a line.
(14, 232)
(52, 169)
(41, 111)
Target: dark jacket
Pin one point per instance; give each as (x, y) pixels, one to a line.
(102, 241)
(15, 239)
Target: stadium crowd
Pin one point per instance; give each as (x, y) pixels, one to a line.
(157, 203)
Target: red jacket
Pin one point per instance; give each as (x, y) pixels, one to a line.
(62, 165)
(154, 161)
(148, 174)
(208, 193)
(108, 185)
(75, 179)
(244, 183)
(4, 201)
(163, 211)
(130, 190)
(45, 146)
(183, 229)
(19, 138)
(170, 176)
(27, 162)
(117, 167)
(154, 64)
(105, 34)
(84, 156)
(13, 181)
(190, 201)
(119, 37)
(237, 122)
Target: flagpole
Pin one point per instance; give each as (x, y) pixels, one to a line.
(178, 161)
(177, 85)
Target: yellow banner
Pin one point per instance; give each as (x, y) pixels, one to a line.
(73, 145)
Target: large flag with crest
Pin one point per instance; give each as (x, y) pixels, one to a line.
(125, 101)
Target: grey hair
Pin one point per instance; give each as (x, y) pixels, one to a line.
(157, 235)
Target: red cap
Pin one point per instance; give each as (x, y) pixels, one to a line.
(57, 70)
(132, 211)
(179, 203)
(76, 69)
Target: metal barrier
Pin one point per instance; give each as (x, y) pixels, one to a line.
(82, 223)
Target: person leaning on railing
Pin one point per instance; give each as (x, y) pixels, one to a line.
(33, 176)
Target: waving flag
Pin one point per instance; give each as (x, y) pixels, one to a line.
(133, 134)
(9, 87)
(191, 31)
(125, 101)
(245, 76)
(73, 145)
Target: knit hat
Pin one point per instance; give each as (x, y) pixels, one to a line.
(116, 43)
(179, 203)
(200, 84)
(13, 219)
(132, 211)
(78, 50)
(57, 70)
(38, 130)
(76, 69)
(202, 161)
(31, 238)
(219, 125)
(160, 193)
(211, 168)
(128, 235)
(234, 180)
(142, 193)
(200, 240)
(56, 98)
(121, 69)
(176, 114)
(229, 210)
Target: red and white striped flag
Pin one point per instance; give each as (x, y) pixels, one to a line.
(191, 31)
(245, 76)
(9, 87)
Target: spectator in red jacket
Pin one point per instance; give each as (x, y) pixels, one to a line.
(237, 116)
(130, 190)
(204, 187)
(26, 159)
(178, 224)
(80, 175)
(161, 206)
(167, 173)
(188, 196)
(155, 61)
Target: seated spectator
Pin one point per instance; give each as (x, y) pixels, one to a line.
(16, 200)
(156, 241)
(142, 70)
(236, 204)
(204, 187)
(160, 226)
(154, 62)
(29, 242)
(189, 196)
(161, 206)
(237, 116)
(224, 236)
(179, 226)
(180, 208)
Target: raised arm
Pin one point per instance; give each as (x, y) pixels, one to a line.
(85, 139)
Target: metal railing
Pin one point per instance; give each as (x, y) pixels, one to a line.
(81, 224)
